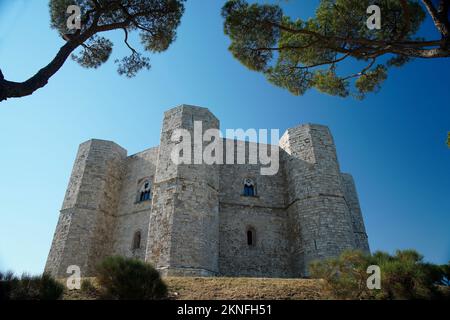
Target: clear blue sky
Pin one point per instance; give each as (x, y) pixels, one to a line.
(393, 142)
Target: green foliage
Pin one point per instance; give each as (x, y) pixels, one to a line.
(328, 82)
(295, 80)
(444, 279)
(398, 60)
(27, 287)
(95, 52)
(448, 139)
(129, 66)
(246, 39)
(403, 276)
(301, 54)
(345, 276)
(371, 81)
(49, 288)
(7, 281)
(87, 287)
(155, 20)
(439, 274)
(59, 15)
(130, 279)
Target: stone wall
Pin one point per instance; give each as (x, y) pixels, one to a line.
(264, 214)
(320, 215)
(184, 222)
(197, 218)
(83, 235)
(132, 215)
(359, 230)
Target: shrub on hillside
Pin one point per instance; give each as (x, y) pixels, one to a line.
(403, 276)
(131, 279)
(42, 287)
(442, 275)
(7, 280)
(87, 287)
(345, 276)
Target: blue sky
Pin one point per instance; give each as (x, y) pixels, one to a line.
(392, 142)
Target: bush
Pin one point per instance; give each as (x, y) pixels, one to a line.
(7, 281)
(129, 279)
(403, 276)
(27, 287)
(443, 275)
(345, 276)
(87, 287)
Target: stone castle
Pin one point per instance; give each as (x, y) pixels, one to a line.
(208, 220)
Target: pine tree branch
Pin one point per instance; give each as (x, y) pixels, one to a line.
(363, 71)
(126, 41)
(437, 17)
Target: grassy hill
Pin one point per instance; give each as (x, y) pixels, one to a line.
(195, 288)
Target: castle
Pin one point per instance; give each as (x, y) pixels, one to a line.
(208, 220)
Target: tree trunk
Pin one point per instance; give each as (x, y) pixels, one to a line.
(10, 89)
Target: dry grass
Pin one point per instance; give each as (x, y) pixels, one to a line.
(184, 288)
(196, 288)
(80, 294)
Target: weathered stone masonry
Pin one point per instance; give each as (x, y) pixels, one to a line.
(198, 219)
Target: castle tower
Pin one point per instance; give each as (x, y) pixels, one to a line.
(83, 236)
(309, 211)
(184, 222)
(321, 218)
(359, 230)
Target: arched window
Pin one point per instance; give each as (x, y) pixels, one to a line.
(249, 188)
(250, 236)
(145, 191)
(137, 240)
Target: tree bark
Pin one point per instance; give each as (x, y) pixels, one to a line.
(422, 53)
(439, 17)
(11, 89)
